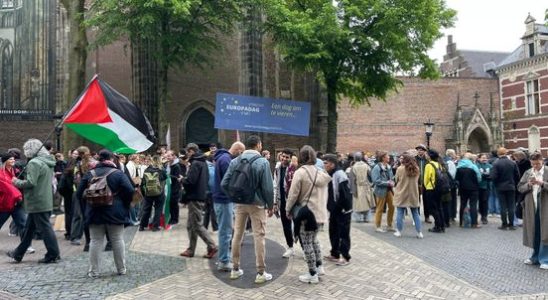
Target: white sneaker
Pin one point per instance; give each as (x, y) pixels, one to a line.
(528, 261)
(420, 236)
(379, 229)
(307, 278)
(544, 266)
(30, 250)
(288, 253)
(262, 278)
(320, 271)
(397, 233)
(236, 274)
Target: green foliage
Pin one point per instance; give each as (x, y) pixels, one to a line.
(185, 31)
(357, 47)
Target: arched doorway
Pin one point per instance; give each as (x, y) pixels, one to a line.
(199, 128)
(478, 141)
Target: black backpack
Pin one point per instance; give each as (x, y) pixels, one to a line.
(442, 184)
(241, 188)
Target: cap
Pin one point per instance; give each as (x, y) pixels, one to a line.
(421, 146)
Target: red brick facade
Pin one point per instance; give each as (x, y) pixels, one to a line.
(398, 124)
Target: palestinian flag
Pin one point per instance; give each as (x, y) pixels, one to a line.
(106, 117)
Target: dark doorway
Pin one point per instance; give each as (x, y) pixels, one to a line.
(478, 142)
(199, 128)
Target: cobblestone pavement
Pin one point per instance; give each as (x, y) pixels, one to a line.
(488, 258)
(68, 278)
(462, 264)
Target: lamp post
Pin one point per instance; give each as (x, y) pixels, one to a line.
(429, 127)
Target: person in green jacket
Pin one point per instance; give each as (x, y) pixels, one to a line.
(38, 201)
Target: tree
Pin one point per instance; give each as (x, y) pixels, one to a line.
(177, 32)
(356, 47)
(77, 55)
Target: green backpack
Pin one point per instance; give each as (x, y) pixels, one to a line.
(153, 185)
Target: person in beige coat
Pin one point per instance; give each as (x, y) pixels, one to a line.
(309, 189)
(534, 184)
(360, 183)
(406, 193)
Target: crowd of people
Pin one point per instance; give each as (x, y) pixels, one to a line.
(237, 189)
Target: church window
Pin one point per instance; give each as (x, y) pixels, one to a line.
(533, 97)
(7, 3)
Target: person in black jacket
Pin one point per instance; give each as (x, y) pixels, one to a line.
(468, 177)
(339, 204)
(196, 186)
(173, 168)
(109, 219)
(505, 176)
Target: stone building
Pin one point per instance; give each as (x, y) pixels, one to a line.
(27, 69)
(523, 79)
(33, 79)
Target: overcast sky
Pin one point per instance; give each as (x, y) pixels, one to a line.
(491, 25)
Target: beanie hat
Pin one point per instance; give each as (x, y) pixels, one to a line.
(6, 156)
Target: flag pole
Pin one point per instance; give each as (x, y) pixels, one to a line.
(60, 123)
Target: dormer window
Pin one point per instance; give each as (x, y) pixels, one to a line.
(531, 48)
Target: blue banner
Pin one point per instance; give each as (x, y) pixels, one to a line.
(246, 113)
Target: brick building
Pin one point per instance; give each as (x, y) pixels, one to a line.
(524, 91)
(464, 111)
(246, 65)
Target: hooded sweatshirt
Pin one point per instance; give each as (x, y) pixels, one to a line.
(37, 186)
(196, 181)
(222, 161)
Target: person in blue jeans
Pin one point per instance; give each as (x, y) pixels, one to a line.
(224, 210)
(406, 193)
(534, 186)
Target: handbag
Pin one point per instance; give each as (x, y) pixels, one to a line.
(297, 207)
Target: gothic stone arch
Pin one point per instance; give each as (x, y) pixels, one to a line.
(202, 110)
(478, 136)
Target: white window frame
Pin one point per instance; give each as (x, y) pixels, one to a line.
(532, 97)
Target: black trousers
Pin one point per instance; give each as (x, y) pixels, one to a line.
(507, 201)
(38, 222)
(209, 213)
(150, 202)
(483, 203)
(432, 201)
(339, 234)
(469, 197)
(174, 207)
(286, 224)
(453, 205)
(67, 202)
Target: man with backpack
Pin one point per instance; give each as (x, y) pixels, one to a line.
(196, 186)
(434, 184)
(154, 178)
(248, 182)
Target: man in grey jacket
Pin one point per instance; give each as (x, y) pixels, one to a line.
(264, 200)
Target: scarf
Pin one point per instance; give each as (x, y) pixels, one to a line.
(539, 175)
(466, 163)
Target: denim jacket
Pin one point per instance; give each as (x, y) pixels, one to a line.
(381, 177)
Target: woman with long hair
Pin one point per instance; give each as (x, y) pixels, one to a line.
(406, 193)
(309, 190)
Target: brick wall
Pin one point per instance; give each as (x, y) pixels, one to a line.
(397, 124)
(16, 133)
